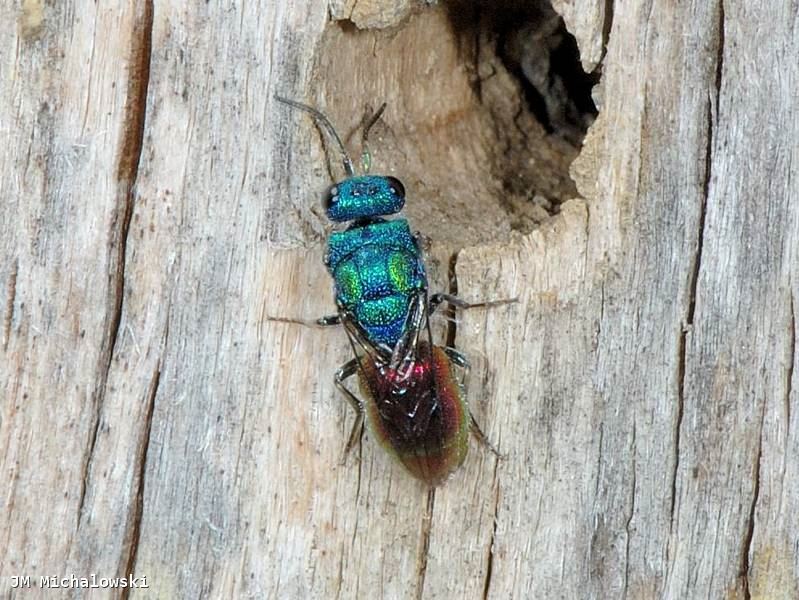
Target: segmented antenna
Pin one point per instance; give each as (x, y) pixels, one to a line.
(366, 156)
(325, 122)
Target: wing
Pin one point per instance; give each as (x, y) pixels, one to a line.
(421, 417)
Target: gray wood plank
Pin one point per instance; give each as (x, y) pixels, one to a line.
(159, 207)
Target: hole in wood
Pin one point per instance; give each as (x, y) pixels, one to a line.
(531, 41)
(487, 108)
(529, 77)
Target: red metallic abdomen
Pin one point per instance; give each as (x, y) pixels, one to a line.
(421, 417)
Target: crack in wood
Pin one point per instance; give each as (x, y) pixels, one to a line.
(452, 321)
(679, 418)
(10, 300)
(127, 172)
(720, 52)
(791, 363)
(599, 459)
(746, 564)
(490, 560)
(340, 580)
(629, 520)
(746, 552)
(352, 10)
(598, 328)
(607, 25)
(712, 113)
(427, 526)
(689, 321)
(136, 107)
(141, 462)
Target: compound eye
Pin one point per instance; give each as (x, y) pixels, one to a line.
(330, 197)
(396, 186)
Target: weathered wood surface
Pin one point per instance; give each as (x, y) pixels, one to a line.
(157, 206)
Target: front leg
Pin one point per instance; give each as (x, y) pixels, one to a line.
(437, 299)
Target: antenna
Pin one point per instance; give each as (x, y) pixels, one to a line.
(366, 156)
(320, 118)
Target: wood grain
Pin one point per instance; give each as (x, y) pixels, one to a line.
(159, 208)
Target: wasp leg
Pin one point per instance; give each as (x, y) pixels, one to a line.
(482, 437)
(346, 371)
(437, 299)
(366, 156)
(329, 320)
(326, 321)
(423, 242)
(460, 359)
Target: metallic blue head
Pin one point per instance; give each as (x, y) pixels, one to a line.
(363, 197)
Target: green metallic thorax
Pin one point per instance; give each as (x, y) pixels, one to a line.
(377, 268)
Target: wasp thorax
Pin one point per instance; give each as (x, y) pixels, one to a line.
(363, 197)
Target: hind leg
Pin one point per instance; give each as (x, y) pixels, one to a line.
(460, 359)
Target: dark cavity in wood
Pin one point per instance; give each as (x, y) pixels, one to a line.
(529, 41)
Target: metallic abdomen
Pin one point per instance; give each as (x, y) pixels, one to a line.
(421, 419)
